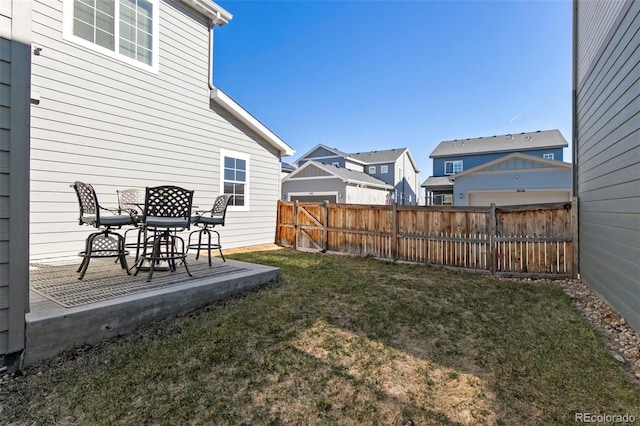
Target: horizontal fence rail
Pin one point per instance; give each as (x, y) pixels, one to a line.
(533, 240)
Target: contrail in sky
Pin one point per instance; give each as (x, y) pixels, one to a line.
(515, 117)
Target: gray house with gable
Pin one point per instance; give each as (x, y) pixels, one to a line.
(524, 168)
(391, 170)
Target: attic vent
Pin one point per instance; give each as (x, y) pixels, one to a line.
(509, 136)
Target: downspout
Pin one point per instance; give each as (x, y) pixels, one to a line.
(212, 24)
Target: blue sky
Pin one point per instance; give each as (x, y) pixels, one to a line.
(371, 75)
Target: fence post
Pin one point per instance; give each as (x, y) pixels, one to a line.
(295, 225)
(394, 233)
(493, 243)
(325, 225)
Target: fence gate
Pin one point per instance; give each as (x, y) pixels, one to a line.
(310, 224)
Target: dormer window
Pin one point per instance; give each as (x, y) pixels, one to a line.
(452, 167)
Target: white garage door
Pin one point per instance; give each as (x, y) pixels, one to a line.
(313, 198)
(511, 198)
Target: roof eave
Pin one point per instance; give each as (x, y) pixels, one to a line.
(250, 121)
(216, 14)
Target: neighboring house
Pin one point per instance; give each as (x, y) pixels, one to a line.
(317, 182)
(122, 96)
(286, 169)
(512, 169)
(606, 150)
(393, 167)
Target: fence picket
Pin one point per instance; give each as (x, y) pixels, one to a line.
(522, 240)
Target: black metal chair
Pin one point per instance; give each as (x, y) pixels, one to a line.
(167, 210)
(104, 243)
(131, 201)
(206, 221)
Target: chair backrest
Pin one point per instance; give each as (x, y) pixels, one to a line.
(131, 200)
(168, 201)
(220, 207)
(88, 201)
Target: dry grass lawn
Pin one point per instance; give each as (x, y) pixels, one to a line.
(342, 341)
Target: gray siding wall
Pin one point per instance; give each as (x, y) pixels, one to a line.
(316, 186)
(532, 179)
(607, 152)
(411, 185)
(15, 46)
(117, 126)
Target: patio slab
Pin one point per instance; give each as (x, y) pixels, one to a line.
(107, 308)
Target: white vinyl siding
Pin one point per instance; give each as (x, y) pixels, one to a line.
(116, 126)
(452, 167)
(123, 29)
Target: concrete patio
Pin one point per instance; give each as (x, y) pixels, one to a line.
(66, 313)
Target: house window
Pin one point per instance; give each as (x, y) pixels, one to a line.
(452, 167)
(235, 178)
(372, 170)
(123, 29)
(384, 169)
(547, 156)
(336, 163)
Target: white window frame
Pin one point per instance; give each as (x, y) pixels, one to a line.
(548, 156)
(372, 170)
(67, 34)
(336, 163)
(454, 169)
(384, 169)
(247, 158)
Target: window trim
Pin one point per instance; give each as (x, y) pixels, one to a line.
(243, 156)
(453, 168)
(67, 34)
(548, 156)
(384, 169)
(372, 170)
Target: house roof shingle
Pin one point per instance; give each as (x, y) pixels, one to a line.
(346, 175)
(510, 142)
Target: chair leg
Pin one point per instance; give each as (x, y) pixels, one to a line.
(219, 248)
(123, 257)
(87, 254)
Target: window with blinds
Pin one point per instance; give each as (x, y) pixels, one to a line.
(126, 29)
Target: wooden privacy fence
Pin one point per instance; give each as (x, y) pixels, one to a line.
(533, 240)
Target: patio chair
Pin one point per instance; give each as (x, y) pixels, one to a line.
(132, 201)
(206, 221)
(167, 210)
(106, 242)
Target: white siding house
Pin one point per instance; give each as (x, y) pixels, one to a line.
(118, 95)
(120, 122)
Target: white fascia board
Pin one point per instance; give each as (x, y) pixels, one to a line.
(250, 121)
(216, 14)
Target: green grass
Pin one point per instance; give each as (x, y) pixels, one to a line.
(342, 340)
